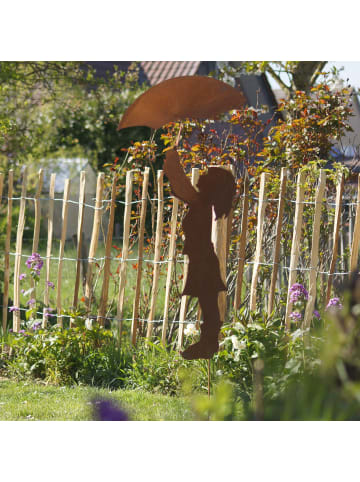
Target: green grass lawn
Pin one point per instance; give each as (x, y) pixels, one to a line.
(35, 401)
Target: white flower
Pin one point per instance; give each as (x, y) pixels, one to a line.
(238, 346)
(236, 342)
(88, 324)
(239, 326)
(191, 329)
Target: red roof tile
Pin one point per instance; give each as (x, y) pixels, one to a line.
(157, 71)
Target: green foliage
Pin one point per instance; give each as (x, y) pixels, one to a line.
(313, 122)
(252, 336)
(58, 108)
(221, 406)
(159, 370)
(87, 119)
(290, 75)
(67, 356)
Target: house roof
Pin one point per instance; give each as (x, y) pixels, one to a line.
(157, 71)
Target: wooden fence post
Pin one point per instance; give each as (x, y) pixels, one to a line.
(242, 244)
(49, 246)
(35, 244)
(219, 238)
(7, 249)
(18, 251)
(279, 221)
(295, 247)
(79, 237)
(315, 250)
(94, 240)
(105, 285)
(337, 223)
(1, 186)
(356, 235)
(156, 271)
(125, 250)
(172, 252)
(64, 218)
(259, 236)
(135, 316)
(184, 299)
(1, 193)
(230, 217)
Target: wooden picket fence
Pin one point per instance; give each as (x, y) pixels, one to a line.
(240, 264)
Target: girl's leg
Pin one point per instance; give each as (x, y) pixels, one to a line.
(210, 329)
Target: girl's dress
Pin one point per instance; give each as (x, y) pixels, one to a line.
(204, 278)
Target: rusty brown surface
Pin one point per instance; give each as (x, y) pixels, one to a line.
(175, 100)
(216, 189)
(195, 97)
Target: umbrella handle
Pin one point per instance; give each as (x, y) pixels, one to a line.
(178, 136)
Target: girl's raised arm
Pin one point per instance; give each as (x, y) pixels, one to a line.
(180, 184)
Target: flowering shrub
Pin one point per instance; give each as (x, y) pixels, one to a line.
(252, 336)
(34, 263)
(298, 293)
(334, 305)
(312, 123)
(298, 296)
(191, 330)
(295, 316)
(67, 356)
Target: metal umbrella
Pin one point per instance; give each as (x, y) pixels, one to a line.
(196, 97)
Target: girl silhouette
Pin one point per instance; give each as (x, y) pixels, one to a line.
(216, 189)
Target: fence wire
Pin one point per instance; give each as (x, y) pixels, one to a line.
(108, 318)
(180, 258)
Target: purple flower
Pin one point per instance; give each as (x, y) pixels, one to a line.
(297, 292)
(47, 312)
(50, 284)
(36, 325)
(22, 331)
(295, 316)
(14, 308)
(22, 276)
(107, 411)
(11, 330)
(32, 301)
(22, 291)
(334, 304)
(317, 314)
(35, 263)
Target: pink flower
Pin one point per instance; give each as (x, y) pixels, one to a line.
(295, 316)
(334, 304)
(298, 292)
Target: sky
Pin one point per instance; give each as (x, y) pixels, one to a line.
(351, 71)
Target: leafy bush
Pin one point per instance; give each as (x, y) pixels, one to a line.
(252, 336)
(67, 356)
(158, 370)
